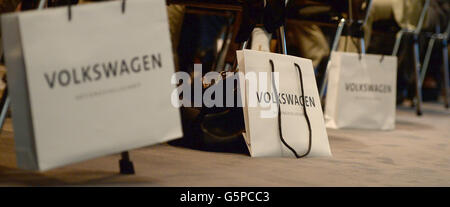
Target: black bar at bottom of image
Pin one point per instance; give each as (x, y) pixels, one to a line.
(233, 196)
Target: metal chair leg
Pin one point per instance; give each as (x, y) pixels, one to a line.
(283, 40)
(416, 76)
(219, 62)
(362, 45)
(426, 60)
(333, 48)
(4, 103)
(445, 71)
(235, 66)
(42, 4)
(283, 35)
(398, 40)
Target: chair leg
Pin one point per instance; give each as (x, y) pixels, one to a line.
(445, 71)
(283, 36)
(333, 48)
(4, 104)
(235, 66)
(426, 60)
(398, 40)
(283, 44)
(219, 62)
(416, 76)
(362, 45)
(42, 4)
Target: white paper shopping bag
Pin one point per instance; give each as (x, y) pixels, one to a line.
(95, 84)
(276, 124)
(361, 91)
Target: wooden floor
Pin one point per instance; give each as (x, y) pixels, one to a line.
(417, 153)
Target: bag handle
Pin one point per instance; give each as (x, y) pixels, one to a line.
(69, 8)
(304, 112)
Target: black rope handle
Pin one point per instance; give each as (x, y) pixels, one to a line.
(304, 111)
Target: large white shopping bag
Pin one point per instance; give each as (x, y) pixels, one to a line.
(95, 84)
(294, 133)
(361, 91)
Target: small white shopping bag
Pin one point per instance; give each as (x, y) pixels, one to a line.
(361, 91)
(295, 134)
(94, 84)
